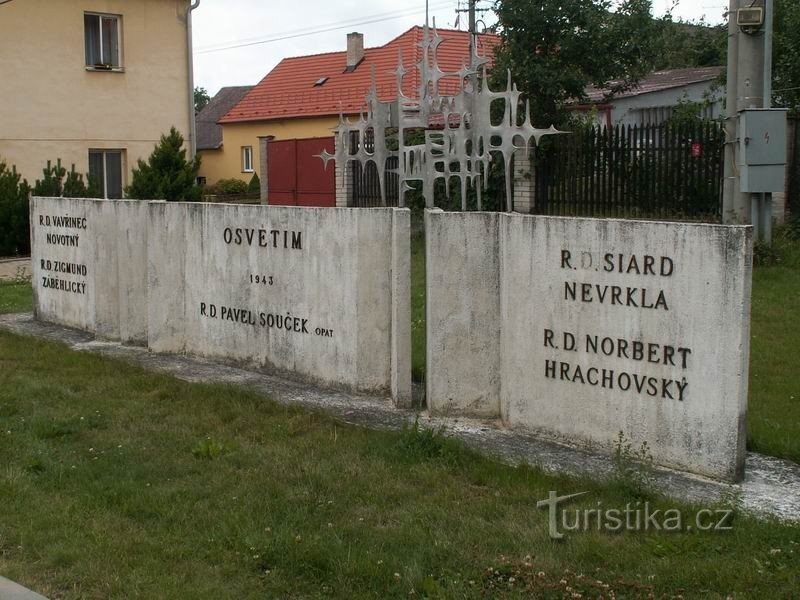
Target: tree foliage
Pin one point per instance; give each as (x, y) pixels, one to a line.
(556, 48)
(786, 54)
(254, 187)
(56, 182)
(683, 44)
(167, 174)
(201, 99)
(14, 213)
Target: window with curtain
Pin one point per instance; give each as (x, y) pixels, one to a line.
(102, 36)
(105, 167)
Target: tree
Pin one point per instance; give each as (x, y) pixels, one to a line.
(786, 54)
(167, 174)
(14, 213)
(254, 187)
(556, 48)
(201, 99)
(56, 182)
(683, 44)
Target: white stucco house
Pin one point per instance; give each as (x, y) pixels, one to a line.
(652, 101)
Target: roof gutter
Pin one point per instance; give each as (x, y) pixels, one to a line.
(190, 64)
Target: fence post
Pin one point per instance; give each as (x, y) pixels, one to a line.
(263, 166)
(344, 180)
(524, 182)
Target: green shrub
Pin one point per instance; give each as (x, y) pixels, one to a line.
(57, 182)
(167, 174)
(231, 186)
(15, 233)
(254, 187)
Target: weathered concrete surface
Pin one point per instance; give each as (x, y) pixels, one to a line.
(771, 487)
(304, 291)
(321, 294)
(12, 591)
(585, 328)
(12, 268)
(401, 308)
(462, 313)
(88, 265)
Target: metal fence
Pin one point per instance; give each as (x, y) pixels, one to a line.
(366, 189)
(652, 171)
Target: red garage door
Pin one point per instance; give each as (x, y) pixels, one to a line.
(297, 176)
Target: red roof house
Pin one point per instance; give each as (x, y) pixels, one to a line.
(327, 84)
(293, 110)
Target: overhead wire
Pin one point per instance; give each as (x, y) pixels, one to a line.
(324, 28)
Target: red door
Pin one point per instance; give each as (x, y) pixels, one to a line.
(297, 176)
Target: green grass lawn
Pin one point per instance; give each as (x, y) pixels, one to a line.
(116, 482)
(15, 297)
(418, 317)
(774, 400)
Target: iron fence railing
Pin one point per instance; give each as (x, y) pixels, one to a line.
(652, 171)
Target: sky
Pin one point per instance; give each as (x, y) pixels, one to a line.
(270, 30)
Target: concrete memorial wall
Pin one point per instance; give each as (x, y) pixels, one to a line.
(89, 265)
(317, 294)
(578, 329)
(314, 292)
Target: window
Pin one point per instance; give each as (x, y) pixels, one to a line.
(247, 159)
(105, 168)
(102, 36)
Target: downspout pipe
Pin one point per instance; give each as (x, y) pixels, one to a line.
(190, 64)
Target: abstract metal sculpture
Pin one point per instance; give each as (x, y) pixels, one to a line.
(460, 138)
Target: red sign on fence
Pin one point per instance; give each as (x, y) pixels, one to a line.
(697, 149)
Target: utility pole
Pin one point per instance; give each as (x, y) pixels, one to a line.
(472, 31)
(749, 86)
(731, 179)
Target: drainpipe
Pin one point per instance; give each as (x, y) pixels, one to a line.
(190, 61)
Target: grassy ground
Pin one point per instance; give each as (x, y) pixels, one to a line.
(15, 297)
(774, 401)
(418, 341)
(119, 483)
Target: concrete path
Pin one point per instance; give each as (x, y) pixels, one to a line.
(11, 591)
(771, 486)
(11, 268)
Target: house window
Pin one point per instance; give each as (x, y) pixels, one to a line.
(105, 168)
(247, 159)
(102, 37)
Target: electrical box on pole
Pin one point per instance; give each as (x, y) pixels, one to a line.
(762, 150)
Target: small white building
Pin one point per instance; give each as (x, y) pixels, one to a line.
(653, 99)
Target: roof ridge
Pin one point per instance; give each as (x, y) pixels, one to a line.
(287, 89)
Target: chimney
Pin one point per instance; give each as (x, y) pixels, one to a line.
(355, 50)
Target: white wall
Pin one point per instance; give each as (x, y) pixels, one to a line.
(627, 111)
(329, 273)
(504, 319)
(317, 294)
(88, 262)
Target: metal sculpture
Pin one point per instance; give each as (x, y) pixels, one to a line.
(460, 138)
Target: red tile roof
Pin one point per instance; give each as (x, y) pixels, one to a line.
(288, 90)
